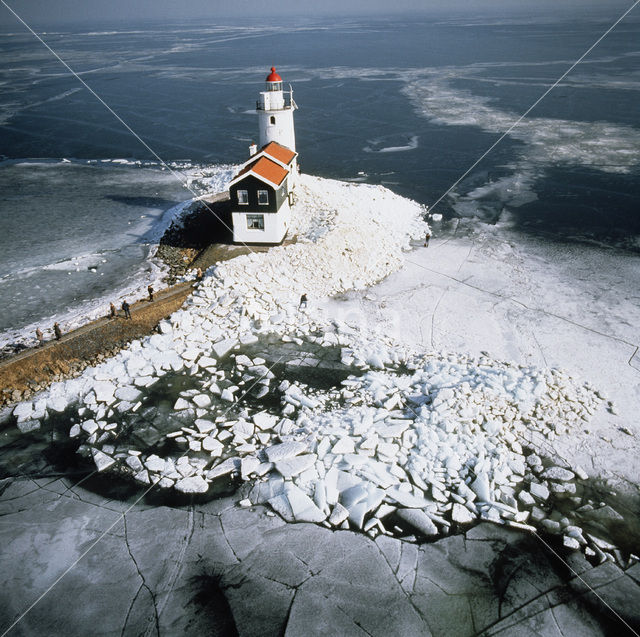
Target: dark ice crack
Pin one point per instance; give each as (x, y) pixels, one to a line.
(142, 586)
(404, 591)
(353, 620)
(571, 595)
(177, 568)
(226, 539)
(555, 621)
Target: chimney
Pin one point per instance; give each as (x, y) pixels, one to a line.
(253, 149)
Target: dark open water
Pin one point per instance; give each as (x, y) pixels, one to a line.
(407, 103)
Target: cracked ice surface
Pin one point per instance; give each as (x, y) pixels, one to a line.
(408, 433)
(159, 567)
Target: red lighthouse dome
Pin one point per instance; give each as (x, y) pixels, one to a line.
(273, 76)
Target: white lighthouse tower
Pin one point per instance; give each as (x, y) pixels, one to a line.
(275, 113)
(261, 194)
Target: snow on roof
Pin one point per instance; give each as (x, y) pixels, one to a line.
(265, 169)
(281, 153)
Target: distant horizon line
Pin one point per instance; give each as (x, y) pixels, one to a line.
(506, 13)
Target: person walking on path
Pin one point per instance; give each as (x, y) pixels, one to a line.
(40, 337)
(150, 291)
(57, 331)
(112, 311)
(303, 301)
(126, 308)
(427, 238)
(199, 274)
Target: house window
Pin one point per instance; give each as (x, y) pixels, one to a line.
(272, 119)
(263, 197)
(243, 197)
(255, 222)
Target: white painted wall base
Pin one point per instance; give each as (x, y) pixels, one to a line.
(276, 225)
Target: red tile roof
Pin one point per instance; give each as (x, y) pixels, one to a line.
(266, 169)
(281, 153)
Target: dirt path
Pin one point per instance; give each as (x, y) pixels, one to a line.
(34, 369)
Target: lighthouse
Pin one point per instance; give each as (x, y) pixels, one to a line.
(261, 193)
(275, 113)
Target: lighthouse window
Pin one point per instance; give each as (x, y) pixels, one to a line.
(255, 222)
(263, 197)
(272, 119)
(243, 196)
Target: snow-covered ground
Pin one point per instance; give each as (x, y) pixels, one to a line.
(548, 304)
(453, 394)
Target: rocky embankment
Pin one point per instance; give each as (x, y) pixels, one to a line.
(199, 225)
(34, 370)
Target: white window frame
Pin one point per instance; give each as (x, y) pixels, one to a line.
(266, 193)
(255, 218)
(243, 194)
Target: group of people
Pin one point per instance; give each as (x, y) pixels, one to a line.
(126, 308)
(113, 312)
(56, 330)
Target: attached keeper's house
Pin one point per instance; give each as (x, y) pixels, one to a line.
(261, 193)
(261, 196)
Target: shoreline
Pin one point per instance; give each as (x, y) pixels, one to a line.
(181, 249)
(35, 368)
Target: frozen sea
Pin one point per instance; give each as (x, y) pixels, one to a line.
(410, 104)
